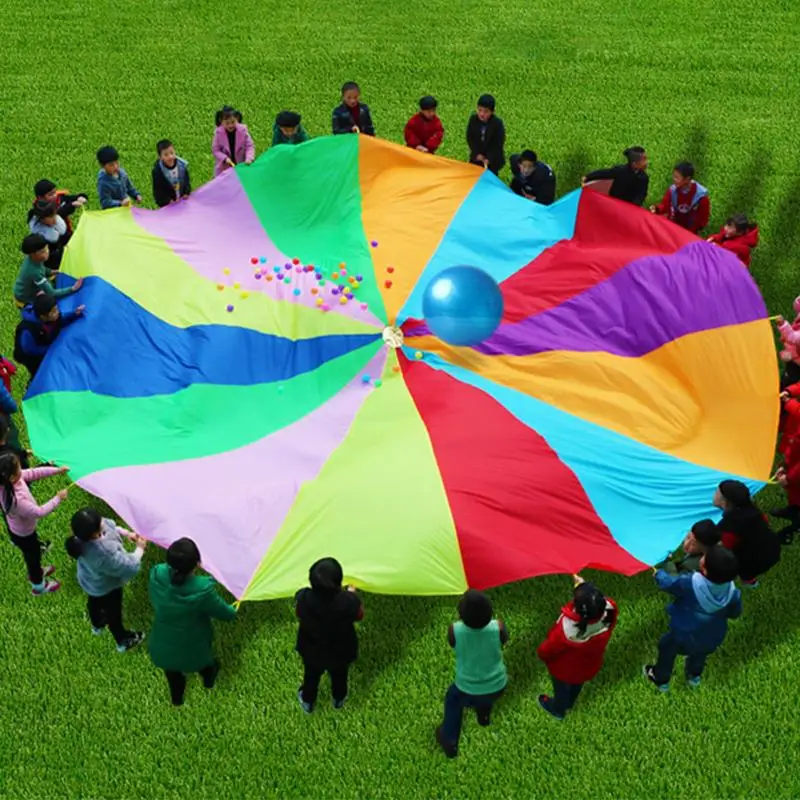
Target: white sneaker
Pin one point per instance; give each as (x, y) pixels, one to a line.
(46, 587)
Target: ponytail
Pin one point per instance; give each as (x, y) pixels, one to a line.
(9, 467)
(590, 605)
(74, 547)
(182, 558)
(86, 525)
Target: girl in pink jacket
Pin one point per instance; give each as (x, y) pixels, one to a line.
(232, 143)
(22, 513)
(790, 347)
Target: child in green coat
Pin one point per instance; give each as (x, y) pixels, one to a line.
(184, 604)
(288, 130)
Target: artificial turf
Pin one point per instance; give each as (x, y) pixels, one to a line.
(577, 81)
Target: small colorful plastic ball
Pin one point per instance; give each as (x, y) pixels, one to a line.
(296, 293)
(314, 290)
(418, 355)
(373, 243)
(387, 284)
(364, 306)
(396, 368)
(268, 277)
(236, 285)
(254, 260)
(325, 307)
(230, 308)
(342, 264)
(322, 282)
(295, 261)
(226, 271)
(351, 279)
(343, 301)
(334, 290)
(220, 287)
(390, 270)
(258, 276)
(287, 266)
(343, 271)
(335, 276)
(287, 280)
(276, 269)
(365, 379)
(245, 295)
(378, 383)
(298, 270)
(263, 259)
(318, 276)
(320, 301)
(356, 285)
(359, 278)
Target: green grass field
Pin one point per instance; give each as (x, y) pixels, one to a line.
(577, 81)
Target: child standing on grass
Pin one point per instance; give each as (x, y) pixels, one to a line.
(232, 143)
(326, 637)
(104, 567)
(66, 204)
(481, 676)
(686, 202)
(22, 514)
(171, 181)
(352, 116)
(739, 236)
(574, 649)
(790, 346)
(53, 229)
(704, 602)
(700, 539)
(486, 136)
(184, 603)
(288, 129)
(34, 277)
(114, 187)
(424, 131)
(629, 181)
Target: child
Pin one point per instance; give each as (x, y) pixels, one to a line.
(22, 513)
(686, 202)
(53, 229)
(424, 131)
(533, 178)
(738, 235)
(788, 476)
(171, 180)
(114, 187)
(288, 130)
(104, 567)
(352, 116)
(486, 136)
(9, 440)
(573, 650)
(67, 204)
(746, 532)
(700, 539)
(629, 181)
(480, 671)
(232, 143)
(42, 321)
(704, 602)
(326, 637)
(33, 277)
(184, 604)
(790, 350)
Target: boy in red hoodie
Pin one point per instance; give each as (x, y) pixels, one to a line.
(788, 476)
(574, 649)
(686, 202)
(424, 131)
(738, 235)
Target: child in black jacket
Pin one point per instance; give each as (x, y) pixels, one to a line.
(486, 136)
(171, 181)
(352, 116)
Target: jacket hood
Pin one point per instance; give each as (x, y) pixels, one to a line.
(751, 237)
(193, 590)
(570, 620)
(711, 597)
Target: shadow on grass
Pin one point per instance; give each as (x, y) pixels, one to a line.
(570, 171)
(696, 148)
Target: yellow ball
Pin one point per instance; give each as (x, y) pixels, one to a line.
(320, 301)
(226, 271)
(245, 295)
(418, 355)
(236, 285)
(342, 301)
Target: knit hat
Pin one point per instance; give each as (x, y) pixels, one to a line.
(107, 154)
(44, 208)
(43, 187)
(288, 119)
(428, 103)
(486, 101)
(736, 493)
(33, 243)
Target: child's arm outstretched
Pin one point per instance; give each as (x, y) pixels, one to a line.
(38, 473)
(217, 608)
(30, 508)
(125, 565)
(676, 585)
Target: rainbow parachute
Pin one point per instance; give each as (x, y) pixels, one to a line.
(633, 370)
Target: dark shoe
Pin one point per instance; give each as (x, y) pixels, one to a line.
(780, 513)
(307, 707)
(134, 640)
(210, 677)
(450, 749)
(648, 672)
(484, 716)
(339, 704)
(547, 704)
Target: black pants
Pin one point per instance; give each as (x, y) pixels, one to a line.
(106, 611)
(177, 682)
(32, 553)
(313, 674)
(791, 513)
(564, 696)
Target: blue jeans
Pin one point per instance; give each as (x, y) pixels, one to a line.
(564, 696)
(455, 701)
(669, 648)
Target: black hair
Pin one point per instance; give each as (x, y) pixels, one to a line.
(428, 103)
(33, 243)
(43, 304)
(43, 187)
(634, 154)
(162, 145)
(736, 493)
(225, 112)
(590, 605)
(706, 532)
(4, 428)
(107, 155)
(721, 565)
(475, 609)
(182, 557)
(325, 577)
(740, 222)
(685, 168)
(287, 119)
(44, 208)
(528, 155)
(487, 101)
(349, 86)
(85, 526)
(9, 465)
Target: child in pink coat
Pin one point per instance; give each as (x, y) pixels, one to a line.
(232, 143)
(790, 346)
(22, 513)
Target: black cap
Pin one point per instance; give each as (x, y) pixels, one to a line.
(107, 154)
(288, 119)
(42, 187)
(486, 101)
(33, 243)
(428, 103)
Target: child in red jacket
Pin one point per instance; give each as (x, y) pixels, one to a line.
(739, 236)
(686, 202)
(573, 650)
(424, 131)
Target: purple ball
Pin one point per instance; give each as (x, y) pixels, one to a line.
(287, 266)
(319, 276)
(258, 276)
(359, 278)
(230, 308)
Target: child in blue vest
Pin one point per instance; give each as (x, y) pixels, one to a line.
(481, 677)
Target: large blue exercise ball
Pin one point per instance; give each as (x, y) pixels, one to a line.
(462, 306)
